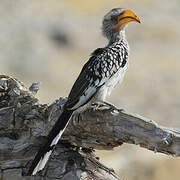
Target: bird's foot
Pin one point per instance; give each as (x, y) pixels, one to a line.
(113, 107)
(110, 105)
(101, 105)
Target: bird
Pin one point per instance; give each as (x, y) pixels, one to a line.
(100, 74)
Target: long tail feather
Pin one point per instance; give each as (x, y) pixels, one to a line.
(45, 151)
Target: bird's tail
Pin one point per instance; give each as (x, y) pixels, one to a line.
(45, 151)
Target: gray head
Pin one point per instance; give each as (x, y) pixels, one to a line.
(116, 20)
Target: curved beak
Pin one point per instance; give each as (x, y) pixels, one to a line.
(127, 16)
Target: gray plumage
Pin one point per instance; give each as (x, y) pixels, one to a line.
(108, 24)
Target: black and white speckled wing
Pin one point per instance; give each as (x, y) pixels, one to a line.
(87, 83)
(102, 65)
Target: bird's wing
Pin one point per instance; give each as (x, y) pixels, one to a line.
(87, 83)
(94, 75)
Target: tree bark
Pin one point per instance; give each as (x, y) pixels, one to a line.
(24, 125)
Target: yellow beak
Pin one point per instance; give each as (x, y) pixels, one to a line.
(125, 17)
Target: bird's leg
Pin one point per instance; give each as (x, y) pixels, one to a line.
(110, 105)
(100, 105)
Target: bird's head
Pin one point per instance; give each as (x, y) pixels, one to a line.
(116, 20)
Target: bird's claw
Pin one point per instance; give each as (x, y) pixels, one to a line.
(101, 105)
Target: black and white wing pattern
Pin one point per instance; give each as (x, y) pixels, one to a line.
(102, 65)
(88, 82)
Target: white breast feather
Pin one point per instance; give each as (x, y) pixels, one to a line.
(116, 78)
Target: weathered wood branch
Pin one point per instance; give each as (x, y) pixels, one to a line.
(109, 128)
(24, 124)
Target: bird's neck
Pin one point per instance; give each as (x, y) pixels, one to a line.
(117, 37)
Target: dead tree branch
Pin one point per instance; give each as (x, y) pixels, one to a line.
(24, 124)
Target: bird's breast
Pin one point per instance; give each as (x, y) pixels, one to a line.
(116, 78)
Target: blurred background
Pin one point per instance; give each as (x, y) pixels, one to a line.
(49, 41)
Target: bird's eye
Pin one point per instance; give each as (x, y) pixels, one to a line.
(114, 19)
